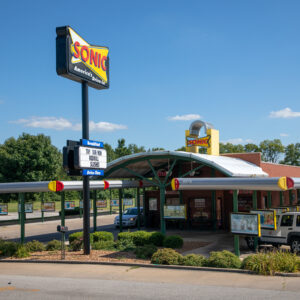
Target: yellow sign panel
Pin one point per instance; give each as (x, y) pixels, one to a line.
(202, 142)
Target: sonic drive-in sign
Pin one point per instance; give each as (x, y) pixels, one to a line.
(77, 60)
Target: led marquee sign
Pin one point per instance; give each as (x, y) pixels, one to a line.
(77, 60)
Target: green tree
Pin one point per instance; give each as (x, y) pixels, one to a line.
(121, 150)
(251, 148)
(231, 148)
(110, 152)
(271, 150)
(29, 158)
(292, 155)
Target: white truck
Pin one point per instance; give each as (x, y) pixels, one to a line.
(287, 233)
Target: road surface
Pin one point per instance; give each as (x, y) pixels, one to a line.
(53, 281)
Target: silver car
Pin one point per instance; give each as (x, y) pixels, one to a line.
(129, 217)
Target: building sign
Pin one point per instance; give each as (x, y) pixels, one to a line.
(48, 206)
(267, 218)
(28, 208)
(114, 202)
(245, 224)
(101, 203)
(69, 205)
(201, 142)
(175, 212)
(127, 202)
(77, 60)
(3, 209)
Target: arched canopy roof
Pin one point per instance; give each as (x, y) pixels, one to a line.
(127, 166)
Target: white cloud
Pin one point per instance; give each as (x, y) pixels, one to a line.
(284, 134)
(285, 113)
(238, 141)
(63, 124)
(188, 117)
(105, 126)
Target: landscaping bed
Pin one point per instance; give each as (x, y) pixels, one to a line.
(146, 248)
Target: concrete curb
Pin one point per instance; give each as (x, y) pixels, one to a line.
(170, 267)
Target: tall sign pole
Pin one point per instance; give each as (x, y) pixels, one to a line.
(88, 64)
(86, 179)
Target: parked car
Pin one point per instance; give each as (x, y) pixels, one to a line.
(129, 217)
(287, 233)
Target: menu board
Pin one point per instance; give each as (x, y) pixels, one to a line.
(152, 204)
(114, 202)
(245, 224)
(267, 218)
(69, 205)
(101, 203)
(28, 208)
(48, 206)
(3, 209)
(175, 212)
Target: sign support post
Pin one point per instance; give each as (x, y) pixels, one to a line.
(95, 211)
(86, 179)
(62, 209)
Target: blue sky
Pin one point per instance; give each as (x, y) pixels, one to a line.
(235, 64)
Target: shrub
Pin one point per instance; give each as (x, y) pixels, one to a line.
(125, 236)
(102, 236)
(76, 244)
(141, 238)
(53, 245)
(35, 246)
(157, 239)
(223, 259)
(75, 236)
(8, 248)
(145, 252)
(193, 260)
(173, 241)
(104, 245)
(22, 251)
(269, 263)
(125, 245)
(166, 256)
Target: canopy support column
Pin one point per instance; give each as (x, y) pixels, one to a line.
(236, 237)
(138, 208)
(120, 210)
(254, 206)
(162, 205)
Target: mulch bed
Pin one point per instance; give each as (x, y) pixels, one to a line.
(102, 255)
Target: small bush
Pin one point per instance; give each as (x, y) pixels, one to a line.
(35, 246)
(145, 252)
(102, 236)
(141, 238)
(173, 241)
(223, 259)
(104, 245)
(193, 260)
(53, 245)
(125, 245)
(76, 244)
(22, 252)
(166, 256)
(157, 239)
(125, 236)
(75, 236)
(272, 262)
(8, 248)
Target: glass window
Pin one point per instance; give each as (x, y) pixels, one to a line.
(287, 220)
(298, 221)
